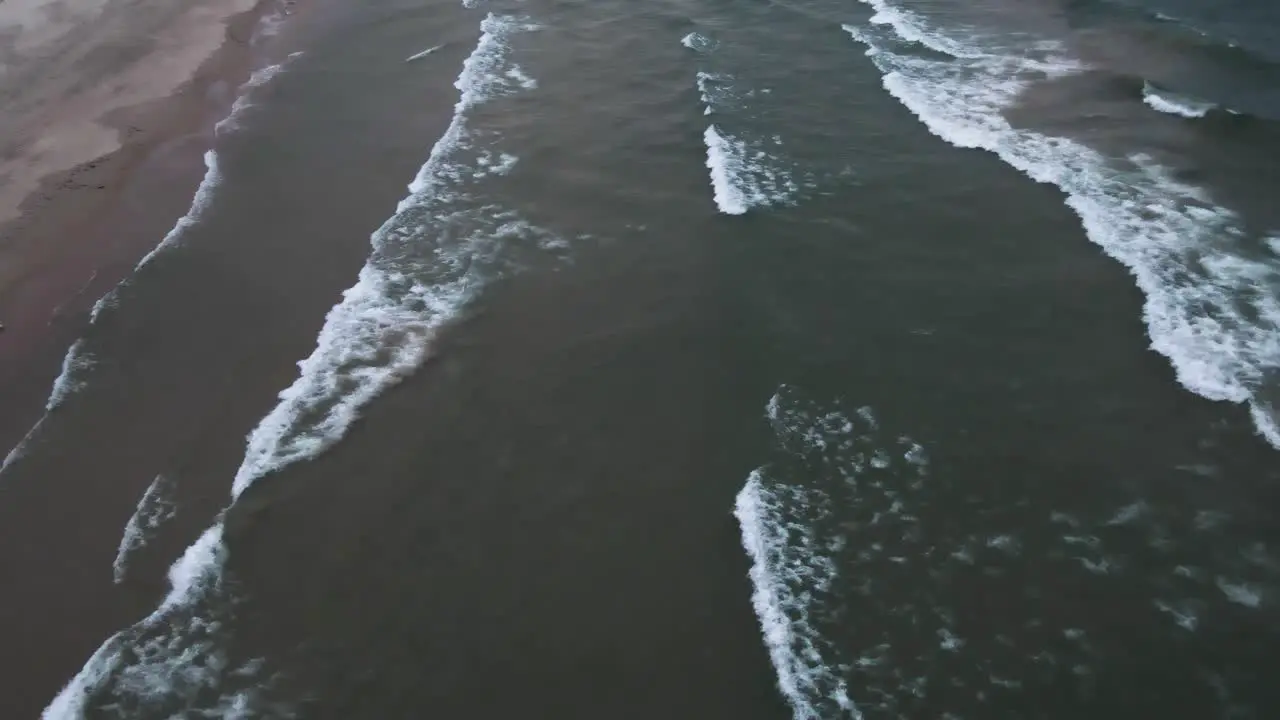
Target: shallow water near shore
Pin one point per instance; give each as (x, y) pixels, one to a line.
(804, 359)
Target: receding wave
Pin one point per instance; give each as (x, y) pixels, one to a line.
(431, 256)
(199, 206)
(1212, 308)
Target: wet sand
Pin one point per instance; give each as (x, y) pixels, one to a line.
(71, 72)
(108, 109)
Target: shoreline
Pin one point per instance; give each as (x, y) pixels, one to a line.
(79, 231)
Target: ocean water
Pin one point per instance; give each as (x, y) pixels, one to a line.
(808, 358)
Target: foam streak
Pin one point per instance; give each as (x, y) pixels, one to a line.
(153, 509)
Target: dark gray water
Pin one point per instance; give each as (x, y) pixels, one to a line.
(959, 319)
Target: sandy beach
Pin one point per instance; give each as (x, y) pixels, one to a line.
(68, 70)
(108, 107)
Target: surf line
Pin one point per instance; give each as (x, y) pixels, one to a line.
(176, 656)
(1203, 307)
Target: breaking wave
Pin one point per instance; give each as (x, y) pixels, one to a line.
(874, 577)
(1174, 104)
(1212, 307)
(745, 173)
(432, 256)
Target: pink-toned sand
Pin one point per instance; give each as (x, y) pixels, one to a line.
(90, 92)
(67, 65)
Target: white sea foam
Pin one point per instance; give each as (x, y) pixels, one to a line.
(1173, 104)
(698, 42)
(848, 570)
(1241, 593)
(912, 27)
(382, 329)
(244, 97)
(204, 195)
(785, 570)
(793, 563)
(163, 665)
(1128, 513)
(76, 366)
(1212, 310)
(949, 641)
(715, 89)
(796, 529)
(19, 451)
(742, 177)
(172, 661)
(726, 168)
(153, 509)
(744, 171)
(1183, 614)
(489, 163)
(108, 301)
(1005, 543)
(199, 206)
(517, 74)
(151, 662)
(849, 565)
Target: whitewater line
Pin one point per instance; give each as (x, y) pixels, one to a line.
(153, 660)
(355, 358)
(1173, 104)
(1212, 312)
